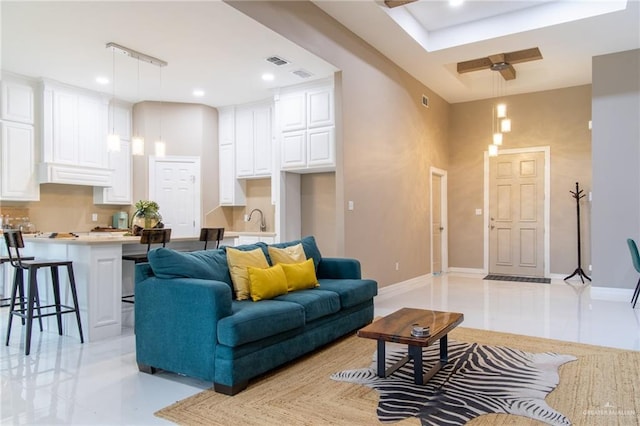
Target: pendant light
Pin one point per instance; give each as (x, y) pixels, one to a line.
(113, 139)
(137, 141)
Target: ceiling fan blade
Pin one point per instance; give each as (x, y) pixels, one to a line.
(523, 55)
(474, 65)
(508, 73)
(395, 3)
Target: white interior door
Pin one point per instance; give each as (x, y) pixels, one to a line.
(174, 183)
(438, 221)
(516, 214)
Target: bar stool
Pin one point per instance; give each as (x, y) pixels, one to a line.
(14, 241)
(20, 297)
(148, 237)
(211, 234)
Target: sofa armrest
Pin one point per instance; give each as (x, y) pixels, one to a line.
(176, 323)
(339, 268)
(142, 272)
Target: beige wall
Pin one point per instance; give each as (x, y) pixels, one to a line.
(318, 210)
(558, 119)
(386, 141)
(188, 130)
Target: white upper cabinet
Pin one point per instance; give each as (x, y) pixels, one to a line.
(231, 190)
(18, 151)
(253, 136)
(307, 128)
(120, 162)
(74, 131)
(16, 101)
(18, 178)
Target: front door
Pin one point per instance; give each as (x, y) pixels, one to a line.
(516, 208)
(436, 223)
(173, 184)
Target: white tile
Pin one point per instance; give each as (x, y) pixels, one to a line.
(65, 382)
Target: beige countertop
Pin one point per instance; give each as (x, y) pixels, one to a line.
(117, 237)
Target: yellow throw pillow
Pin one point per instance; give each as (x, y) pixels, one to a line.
(300, 275)
(291, 254)
(238, 262)
(267, 283)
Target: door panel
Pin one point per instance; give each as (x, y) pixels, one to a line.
(175, 194)
(516, 207)
(436, 223)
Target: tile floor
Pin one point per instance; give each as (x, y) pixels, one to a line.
(64, 382)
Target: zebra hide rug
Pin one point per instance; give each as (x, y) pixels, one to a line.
(478, 379)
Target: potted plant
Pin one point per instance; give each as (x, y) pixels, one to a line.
(146, 215)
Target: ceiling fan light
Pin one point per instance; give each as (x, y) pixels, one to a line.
(497, 139)
(505, 125)
(501, 110)
(493, 150)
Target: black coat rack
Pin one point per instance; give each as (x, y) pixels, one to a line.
(578, 195)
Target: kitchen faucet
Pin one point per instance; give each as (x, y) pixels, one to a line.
(263, 225)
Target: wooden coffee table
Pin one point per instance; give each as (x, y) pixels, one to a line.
(396, 328)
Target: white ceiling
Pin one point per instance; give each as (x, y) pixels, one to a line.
(210, 46)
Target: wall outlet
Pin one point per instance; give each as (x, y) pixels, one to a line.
(246, 218)
(94, 217)
(397, 266)
(350, 205)
(589, 268)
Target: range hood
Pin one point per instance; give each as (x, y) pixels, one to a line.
(75, 175)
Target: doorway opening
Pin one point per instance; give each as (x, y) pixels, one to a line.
(439, 231)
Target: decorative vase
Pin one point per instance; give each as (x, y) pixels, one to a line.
(146, 219)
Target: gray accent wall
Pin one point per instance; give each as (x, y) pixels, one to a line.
(616, 167)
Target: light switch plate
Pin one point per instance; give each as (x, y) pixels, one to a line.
(478, 212)
(350, 205)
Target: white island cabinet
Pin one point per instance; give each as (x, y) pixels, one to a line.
(102, 277)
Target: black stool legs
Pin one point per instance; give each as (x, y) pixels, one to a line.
(32, 301)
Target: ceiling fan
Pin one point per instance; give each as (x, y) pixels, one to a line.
(501, 62)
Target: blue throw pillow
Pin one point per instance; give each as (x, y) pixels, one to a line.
(309, 245)
(204, 264)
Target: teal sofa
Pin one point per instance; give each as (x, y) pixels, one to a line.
(188, 322)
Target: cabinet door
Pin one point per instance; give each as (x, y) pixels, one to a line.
(262, 141)
(244, 142)
(18, 179)
(121, 116)
(293, 150)
(120, 193)
(293, 112)
(17, 102)
(320, 107)
(226, 126)
(321, 147)
(65, 136)
(92, 142)
(231, 190)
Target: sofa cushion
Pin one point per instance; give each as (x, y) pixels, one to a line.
(309, 245)
(351, 292)
(266, 283)
(290, 254)
(207, 265)
(317, 303)
(299, 275)
(238, 261)
(253, 321)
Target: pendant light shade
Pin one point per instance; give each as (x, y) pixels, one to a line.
(493, 150)
(505, 125)
(497, 138)
(501, 110)
(137, 145)
(160, 148)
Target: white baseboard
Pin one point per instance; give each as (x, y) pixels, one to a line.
(467, 270)
(612, 294)
(403, 285)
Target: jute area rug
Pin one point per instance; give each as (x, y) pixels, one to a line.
(601, 388)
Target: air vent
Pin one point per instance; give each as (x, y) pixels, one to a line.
(425, 101)
(277, 60)
(302, 73)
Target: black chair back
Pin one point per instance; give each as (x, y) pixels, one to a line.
(211, 234)
(13, 240)
(155, 236)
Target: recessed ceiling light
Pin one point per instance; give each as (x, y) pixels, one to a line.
(268, 77)
(198, 93)
(455, 3)
(102, 80)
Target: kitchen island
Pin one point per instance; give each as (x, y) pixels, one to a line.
(102, 276)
